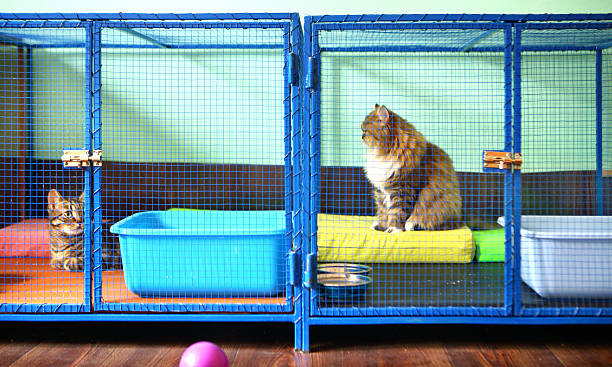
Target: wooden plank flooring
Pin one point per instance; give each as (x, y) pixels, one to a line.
(264, 344)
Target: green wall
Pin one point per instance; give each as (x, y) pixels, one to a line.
(194, 106)
(59, 104)
(457, 102)
(9, 102)
(227, 106)
(167, 105)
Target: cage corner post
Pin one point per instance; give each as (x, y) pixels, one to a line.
(297, 176)
(94, 90)
(508, 175)
(306, 184)
(516, 174)
(599, 194)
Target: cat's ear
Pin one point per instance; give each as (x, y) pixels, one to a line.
(376, 106)
(383, 113)
(54, 197)
(82, 197)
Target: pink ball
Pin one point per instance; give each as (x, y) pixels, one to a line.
(203, 354)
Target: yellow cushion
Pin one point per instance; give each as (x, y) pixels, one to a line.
(343, 238)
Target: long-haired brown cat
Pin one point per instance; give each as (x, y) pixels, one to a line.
(414, 183)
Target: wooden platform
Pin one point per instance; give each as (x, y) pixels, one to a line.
(33, 281)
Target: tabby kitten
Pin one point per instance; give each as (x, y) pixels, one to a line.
(414, 183)
(66, 235)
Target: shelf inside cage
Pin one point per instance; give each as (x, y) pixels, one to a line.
(428, 285)
(203, 253)
(33, 281)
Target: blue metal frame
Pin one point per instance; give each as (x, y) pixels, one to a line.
(147, 16)
(291, 44)
(307, 197)
(516, 179)
(303, 161)
(34, 308)
(287, 306)
(575, 311)
(512, 180)
(297, 240)
(599, 196)
(96, 97)
(508, 178)
(476, 320)
(315, 145)
(90, 100)
(512, 18)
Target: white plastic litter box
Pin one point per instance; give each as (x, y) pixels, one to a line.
(567, 256)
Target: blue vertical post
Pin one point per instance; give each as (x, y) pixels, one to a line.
(508, 194)
(516, 174)
(315, 156)
(287, 89)
(599, 132)
(295, 51)
(306, 183)
(96, 57)
(87, 217)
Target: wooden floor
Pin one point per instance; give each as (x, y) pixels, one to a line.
(161, 344)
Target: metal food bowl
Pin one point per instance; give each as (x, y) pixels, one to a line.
(344, 268)
(343, 286)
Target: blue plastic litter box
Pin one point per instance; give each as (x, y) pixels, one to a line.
(203, 253)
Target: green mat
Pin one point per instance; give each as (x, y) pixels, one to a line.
(490, 245)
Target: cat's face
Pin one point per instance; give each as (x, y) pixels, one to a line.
(377, 129)
(66, 214)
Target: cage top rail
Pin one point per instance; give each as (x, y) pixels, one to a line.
(459, 37)
(149, 34)
(515, 18)
(149, 16)
(510, 18)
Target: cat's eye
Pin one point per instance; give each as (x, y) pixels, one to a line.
(67, 214)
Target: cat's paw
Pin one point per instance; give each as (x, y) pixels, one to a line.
(73, 264)
(377, 227)
(57, 264)
(409, 226)
(393, 230)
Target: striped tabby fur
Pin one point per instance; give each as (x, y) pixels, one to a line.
(66, 235)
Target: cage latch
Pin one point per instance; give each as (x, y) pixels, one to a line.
(310, 271)
(81, 158)
(294, 267)
(502, 160)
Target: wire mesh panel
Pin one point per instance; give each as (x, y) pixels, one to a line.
(44, 212)
(196, 183)
(566, 223)
(406, 220)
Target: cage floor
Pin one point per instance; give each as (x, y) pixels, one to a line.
(32, 281)
(429, 285)
(531, 299)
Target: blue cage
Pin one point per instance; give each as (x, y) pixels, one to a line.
(234, 167)
(519, 105)
(173, 135)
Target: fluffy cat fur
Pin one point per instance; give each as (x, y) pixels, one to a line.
(66, 235)
(414, 183)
